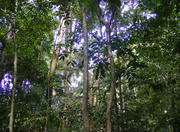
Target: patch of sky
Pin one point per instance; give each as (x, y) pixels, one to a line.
(149, 15)
(1, 44)
(76, 80)
(32, 3)
(6, 84)
(130, 6)
(26, 85)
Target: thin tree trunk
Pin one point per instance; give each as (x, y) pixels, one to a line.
(93, 97)
(91, 90)
(173, 112)
(121, 98)
(11, 118)
(3, 54)
(53, 65)
(85, 73)
(107, 24)
(117, 125)
(67, 75)
(112, 88)
(50, 88)
(96, 102)
(66, 91)
(121, 104)
(3, 57)
(61, 34)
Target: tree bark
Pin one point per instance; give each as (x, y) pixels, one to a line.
(2, 65)
(112, 88)
(52, 69)
(85, 73)
(107, 24)
(61, 34)
(11, 118)
(67, 75)
(173, 108)
(121, 99)
(53, 65)
(49, 88)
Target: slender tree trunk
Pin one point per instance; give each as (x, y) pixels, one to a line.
(66, 91)
(11, 118)
(61, 34)
(112, 88)
(3, 54)
(93, 97)
(53, 65)
(91, 90)
(85, 73)
(121, 98)
(115, 103)
(2, 57)
(121, 104)
(120, 94)
(107, 24)
(173, 112)
(67, 75)
(96, 102)
(50, 88)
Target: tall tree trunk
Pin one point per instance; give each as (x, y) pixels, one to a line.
(115, 104)
(53, 65)
(11, 118)
(61, 34)
(173, 108)
(67, 75)
(85, 73)
(66, 91)
(107, 24)
(50, 89)
(52, 69)
(121, 98)
(112, 88)
(121, 104)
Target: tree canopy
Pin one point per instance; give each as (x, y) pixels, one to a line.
(89, 65)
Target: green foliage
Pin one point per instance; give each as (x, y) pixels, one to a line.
(146, 60)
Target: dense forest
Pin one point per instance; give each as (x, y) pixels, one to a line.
(89, 66)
